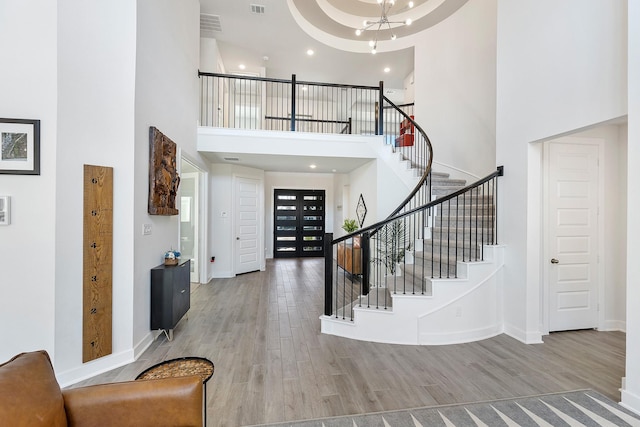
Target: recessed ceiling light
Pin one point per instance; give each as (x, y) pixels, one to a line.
(387, 69)
(334, 170)
(310, 52)
(312, 166)
(410, 4)
(242, 66)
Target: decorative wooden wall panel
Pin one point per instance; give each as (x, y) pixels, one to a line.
(97, 262)
(163, 174)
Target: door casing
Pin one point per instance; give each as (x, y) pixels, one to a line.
(547, 252)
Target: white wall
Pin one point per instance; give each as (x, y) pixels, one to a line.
(631, 390)
(95, 126)
(613, 217)
(297, 181)
(548, 83)
(341, 202)
(381, 188)
(361, 181)
(455, 87)
(166, 96)
(209, 56)
(409, 88)
(221, 238)
(28, 30)
(97, 87)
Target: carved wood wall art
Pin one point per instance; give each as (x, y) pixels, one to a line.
(163, 174)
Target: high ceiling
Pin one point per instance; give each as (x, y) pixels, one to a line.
(278, 39)
(276, 42)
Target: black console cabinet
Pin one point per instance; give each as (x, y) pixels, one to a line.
(170, 295)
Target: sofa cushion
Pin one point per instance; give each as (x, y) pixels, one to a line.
(29, 392)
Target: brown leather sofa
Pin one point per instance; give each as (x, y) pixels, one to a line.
(30, 396)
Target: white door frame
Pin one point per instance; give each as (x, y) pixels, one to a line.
(195, 217)
(203, 214)
(544, 264)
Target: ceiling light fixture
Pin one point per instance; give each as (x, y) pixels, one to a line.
(382, 23)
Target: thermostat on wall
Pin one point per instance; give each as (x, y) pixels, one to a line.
(5, 210)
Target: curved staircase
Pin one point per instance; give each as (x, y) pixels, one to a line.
(430, 271)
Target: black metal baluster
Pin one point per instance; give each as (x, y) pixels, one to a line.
(482, 221)
(328, 273)
(448, 236)
(457, 220)
(464, 228)
(353, 264)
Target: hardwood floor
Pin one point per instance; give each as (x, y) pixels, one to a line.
(272, 363)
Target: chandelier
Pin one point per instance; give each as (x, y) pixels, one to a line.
(382, 23)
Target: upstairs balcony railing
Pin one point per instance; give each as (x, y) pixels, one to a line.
(259, 103)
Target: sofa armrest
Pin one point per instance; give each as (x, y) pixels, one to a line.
(161, 402)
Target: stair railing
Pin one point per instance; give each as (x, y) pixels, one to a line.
(409, 139)
(398, 254)
(261, 103)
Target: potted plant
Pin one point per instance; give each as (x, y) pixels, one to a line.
(351, 225)
(391, 246)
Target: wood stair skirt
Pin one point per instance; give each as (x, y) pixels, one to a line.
(445, 296)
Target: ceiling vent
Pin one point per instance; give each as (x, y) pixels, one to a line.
(257, 9)
(231, 159)
(209, 24)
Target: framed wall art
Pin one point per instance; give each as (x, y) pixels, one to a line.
(361, 210)
(19, 146)
(163, 174)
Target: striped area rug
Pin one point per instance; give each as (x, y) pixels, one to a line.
(577, 408)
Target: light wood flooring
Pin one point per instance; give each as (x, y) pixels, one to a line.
(272, 364)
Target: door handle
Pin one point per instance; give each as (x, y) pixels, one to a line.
(237, 238)
(554, 261)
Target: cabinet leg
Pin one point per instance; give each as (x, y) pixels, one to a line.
(169, 334)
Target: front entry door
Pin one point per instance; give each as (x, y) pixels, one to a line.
(299, 223)
(247, 225)
(573, 236)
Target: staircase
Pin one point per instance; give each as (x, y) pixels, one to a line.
(429, 273)
(446, 289)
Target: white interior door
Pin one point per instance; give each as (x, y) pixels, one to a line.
(573, 235)
(248, 241)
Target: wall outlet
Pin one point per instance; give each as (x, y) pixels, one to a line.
(5, 210)
(146, 229)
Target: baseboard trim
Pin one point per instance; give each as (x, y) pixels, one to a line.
(144, 343)
(95, 367)
(614, 325)
(459, 337)
(525, 337)
(631, 401)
